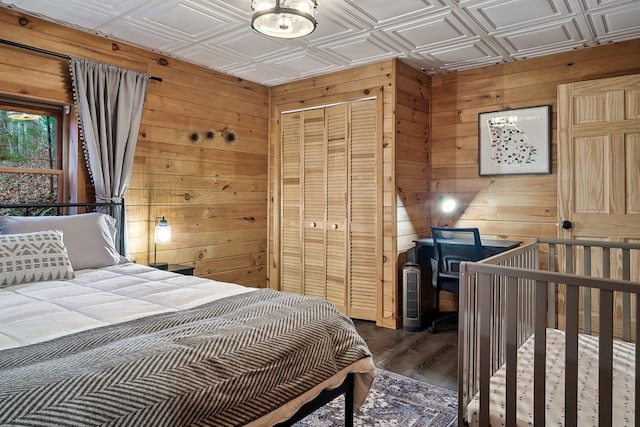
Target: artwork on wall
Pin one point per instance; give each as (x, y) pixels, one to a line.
(515, 141)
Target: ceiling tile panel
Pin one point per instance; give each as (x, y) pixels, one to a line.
(181, 18)
(213, 55)
(551, 37)
(471, 51)
(432, 31)
(613, 23)
(85, 14)
(382, 11)
(437, 36)
(361, 49)
(500, 15)
(145, 35)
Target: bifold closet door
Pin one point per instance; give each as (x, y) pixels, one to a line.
(314, 155)
(330, 198)
(291, 240)
(337, 122)
(364, 202)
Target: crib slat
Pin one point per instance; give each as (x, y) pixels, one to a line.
(485, 297)
(551, 316)
(571, 358)
(605, 359)
(587, 291)
(637, 402)
(511, 349)
(539, 356)
(626, 300)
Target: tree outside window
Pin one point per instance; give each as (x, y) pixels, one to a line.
(30, 155)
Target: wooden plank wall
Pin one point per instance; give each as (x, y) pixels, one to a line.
(213, 193)
(510, 207)
(412, 165)
(405, 96)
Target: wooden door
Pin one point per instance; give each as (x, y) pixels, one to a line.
(336, 205)
(365, 205)
(599, 171)
(291, 236)
(331, 206)
(599, 159)
(314, 154)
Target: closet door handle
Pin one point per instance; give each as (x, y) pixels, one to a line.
(334, 226)
(313, 225)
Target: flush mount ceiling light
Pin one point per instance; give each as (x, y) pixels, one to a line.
(285, 19)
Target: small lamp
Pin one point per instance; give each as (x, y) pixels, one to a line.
(447, 204)
(162, 234)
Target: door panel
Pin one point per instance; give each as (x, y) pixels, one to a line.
(313, 195)
(599, 172)
(291, 261)
(363, 206)
(336, 191)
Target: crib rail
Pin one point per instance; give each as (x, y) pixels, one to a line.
(507, 298)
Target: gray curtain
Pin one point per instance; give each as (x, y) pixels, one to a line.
(109, 101)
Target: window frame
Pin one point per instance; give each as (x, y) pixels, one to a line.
(62, 161)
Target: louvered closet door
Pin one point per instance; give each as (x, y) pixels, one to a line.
(364, 203)
(291, 262)
(336, 205)
(314, 156)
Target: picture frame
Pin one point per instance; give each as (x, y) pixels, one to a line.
(515, 141)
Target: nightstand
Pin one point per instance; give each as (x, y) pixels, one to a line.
(185, 270)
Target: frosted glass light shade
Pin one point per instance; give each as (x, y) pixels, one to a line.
(285, 19)
(162, 232)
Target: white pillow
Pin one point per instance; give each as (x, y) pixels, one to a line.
(33, 257)
(89, 238)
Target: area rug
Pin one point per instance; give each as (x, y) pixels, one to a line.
(394, 400)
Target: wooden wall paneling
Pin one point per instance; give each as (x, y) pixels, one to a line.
(212, 192)
(510, 207)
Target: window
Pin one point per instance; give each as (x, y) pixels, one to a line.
(30, 152)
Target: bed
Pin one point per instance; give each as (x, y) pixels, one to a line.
(548, 336)
(89, 338)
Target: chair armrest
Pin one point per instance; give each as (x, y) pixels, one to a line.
(434, 272)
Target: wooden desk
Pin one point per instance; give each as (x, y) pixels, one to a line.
(490, 247)
(423, 255)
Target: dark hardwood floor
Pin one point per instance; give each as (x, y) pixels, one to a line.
(431, 358)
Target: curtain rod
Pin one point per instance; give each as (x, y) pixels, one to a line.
(50, 53)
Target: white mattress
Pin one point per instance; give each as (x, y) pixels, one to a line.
(623, 384)
(41, 311)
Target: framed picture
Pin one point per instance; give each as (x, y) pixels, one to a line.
(514, 142)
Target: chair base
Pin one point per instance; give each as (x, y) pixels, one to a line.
(439, 317)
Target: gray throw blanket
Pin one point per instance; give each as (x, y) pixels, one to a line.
(225, 363)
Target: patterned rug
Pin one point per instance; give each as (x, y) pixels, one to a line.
(394, 400)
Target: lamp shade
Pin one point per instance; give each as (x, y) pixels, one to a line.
(162, 232)
(284, 18)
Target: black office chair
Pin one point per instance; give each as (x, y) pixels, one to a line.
(451, 247)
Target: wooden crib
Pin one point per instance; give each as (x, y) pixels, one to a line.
(547, 335)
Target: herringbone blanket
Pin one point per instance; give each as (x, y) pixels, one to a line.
(221, 364)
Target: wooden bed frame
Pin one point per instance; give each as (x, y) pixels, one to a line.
(117, 210)
(507, 298)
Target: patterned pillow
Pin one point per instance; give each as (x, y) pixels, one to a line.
(33, 257)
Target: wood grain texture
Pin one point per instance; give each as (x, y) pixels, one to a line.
(213, 194)
(511, 207)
